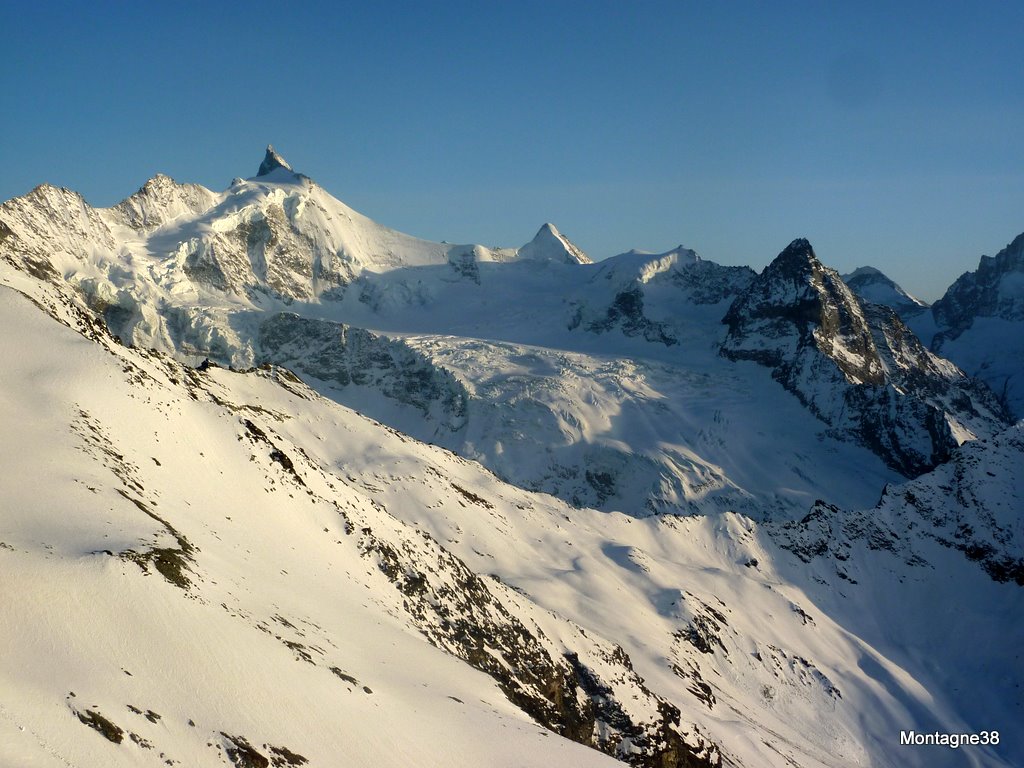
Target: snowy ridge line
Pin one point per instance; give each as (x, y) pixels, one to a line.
(218, 268)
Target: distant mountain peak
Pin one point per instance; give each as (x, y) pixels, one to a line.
(873, 285)
(856, 367)
(159, 182)
(865, 272)
(551, 245)
(548, 232)
(271, 161)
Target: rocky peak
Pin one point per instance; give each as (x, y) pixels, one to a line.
(271, 161)
(55, 219)
(159, 181)
(796, 259)
(795, 274)
(684, 254)
(994, 289)
(48, 191)
(159, 186)
(796, 303)
(800, 319)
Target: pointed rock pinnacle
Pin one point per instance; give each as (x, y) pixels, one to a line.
(271, 161)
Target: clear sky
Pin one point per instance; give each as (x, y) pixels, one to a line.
(888, 134)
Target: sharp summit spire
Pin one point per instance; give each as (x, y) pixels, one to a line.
(271, 161)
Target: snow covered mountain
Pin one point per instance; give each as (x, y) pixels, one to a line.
(871, 285)
(540, 365)
(979, 324)
(551, 245)
(678, 557)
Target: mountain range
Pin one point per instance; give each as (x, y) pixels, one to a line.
(286, 486)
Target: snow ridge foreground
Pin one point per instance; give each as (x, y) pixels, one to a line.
(271, 577)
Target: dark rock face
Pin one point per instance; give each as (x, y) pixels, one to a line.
(345, 356)
(705, 282)
(797, 306)
(271, 161)
(627, 313)
(912, 368)
(860, 370)
(984, 292)
(242, 754)
(979, 324)
(969, 504)
(579, 687)
(98, 722)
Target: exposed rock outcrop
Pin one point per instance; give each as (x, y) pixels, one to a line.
(862, 372)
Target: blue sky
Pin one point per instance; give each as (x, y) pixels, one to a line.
(888, 134)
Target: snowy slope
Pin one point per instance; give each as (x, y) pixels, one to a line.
(305, 552)
(267, 579)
